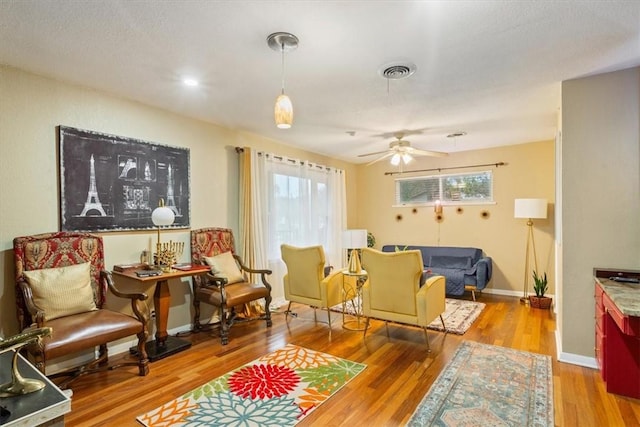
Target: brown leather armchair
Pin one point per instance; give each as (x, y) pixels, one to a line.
(227, 288)
(73, 304)
(393, 290)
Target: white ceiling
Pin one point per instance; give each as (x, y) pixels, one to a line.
(489, 68)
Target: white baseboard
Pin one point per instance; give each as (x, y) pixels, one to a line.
(509, 293)
(577, 359)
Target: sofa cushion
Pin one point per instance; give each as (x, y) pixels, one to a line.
(62, 291)
(447, 261)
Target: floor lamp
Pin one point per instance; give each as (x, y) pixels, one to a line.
(530, 209)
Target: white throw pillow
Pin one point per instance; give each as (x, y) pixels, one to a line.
(62, 291)
(225, 265)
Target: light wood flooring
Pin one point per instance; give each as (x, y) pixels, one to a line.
(399, 371)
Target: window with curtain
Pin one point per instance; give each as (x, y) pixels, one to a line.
(298, 203)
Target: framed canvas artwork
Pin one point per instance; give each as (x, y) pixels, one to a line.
(112, 183)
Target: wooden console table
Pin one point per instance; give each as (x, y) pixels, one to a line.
(164, 345)
(618, 331)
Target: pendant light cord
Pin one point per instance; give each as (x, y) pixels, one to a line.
(282, 49)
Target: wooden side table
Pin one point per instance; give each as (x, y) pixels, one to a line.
(164, 345)
(353, 297)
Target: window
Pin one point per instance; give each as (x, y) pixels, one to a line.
(467, 188)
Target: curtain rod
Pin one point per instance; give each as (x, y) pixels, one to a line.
(498, 164)
(302, 162)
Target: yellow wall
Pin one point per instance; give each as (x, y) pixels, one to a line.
(528, 173)
(30, 109)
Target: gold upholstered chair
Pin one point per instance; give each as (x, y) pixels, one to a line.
(62, 284)
(228, 286)
(393, 290)
(305, 281)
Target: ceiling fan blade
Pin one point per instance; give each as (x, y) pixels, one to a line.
(419, 152)
(389, 154)
(371, 154)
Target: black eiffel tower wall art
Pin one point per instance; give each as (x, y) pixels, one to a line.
(113, 183)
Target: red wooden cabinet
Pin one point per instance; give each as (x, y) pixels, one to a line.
(617, 346)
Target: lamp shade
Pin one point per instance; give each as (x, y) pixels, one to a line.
(354, 239)
(162, 215)
(530, 208)
(283, 112)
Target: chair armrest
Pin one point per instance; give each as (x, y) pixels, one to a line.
(431, 299)
(331, 288)
(262, 272)
(219, 281)
(135, 297)
(37, 315)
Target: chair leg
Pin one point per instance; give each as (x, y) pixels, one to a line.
(443, 325)
(473, 294)
(366, 326)
(329, 316)
(224, 326)
(287, 311)
(196, 316)
(386, 326)
(426, 336)
(267, 311)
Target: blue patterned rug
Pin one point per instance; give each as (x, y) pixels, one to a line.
(485, 385)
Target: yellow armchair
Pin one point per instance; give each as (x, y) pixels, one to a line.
(393, 290)
(305, 282)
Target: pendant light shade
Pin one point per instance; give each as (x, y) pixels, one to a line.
(283, 110)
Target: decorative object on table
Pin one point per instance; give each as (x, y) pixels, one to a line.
(530, 209)
(123, 176)
(458, 315)
(18, 384)
(218, 289)
(166, 254)
(283, 110)
(540, 287)
(353, 241)
(61, 283)
(518, 389)
(305, 281)
(278, 389)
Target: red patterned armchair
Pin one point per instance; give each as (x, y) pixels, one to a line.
(62, 284)
(227, 286)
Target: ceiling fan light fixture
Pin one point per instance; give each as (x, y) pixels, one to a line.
(395, 159)
(406, 158)
(283, 110)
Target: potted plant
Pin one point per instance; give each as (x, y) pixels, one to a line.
(540, 287)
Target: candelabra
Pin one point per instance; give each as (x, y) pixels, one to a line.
(167, 254)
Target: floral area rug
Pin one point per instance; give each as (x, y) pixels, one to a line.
(459, 314)
(485, 385)
(278, 389)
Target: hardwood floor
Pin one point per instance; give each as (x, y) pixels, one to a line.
(399, 371)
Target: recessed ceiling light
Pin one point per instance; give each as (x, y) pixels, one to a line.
(190, 82)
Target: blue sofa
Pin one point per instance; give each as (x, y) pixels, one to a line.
(462, 267)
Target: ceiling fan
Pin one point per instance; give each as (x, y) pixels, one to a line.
(401, 150)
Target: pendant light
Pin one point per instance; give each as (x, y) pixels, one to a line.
(283, 111)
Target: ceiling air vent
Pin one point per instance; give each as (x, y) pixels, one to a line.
(397, 71)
